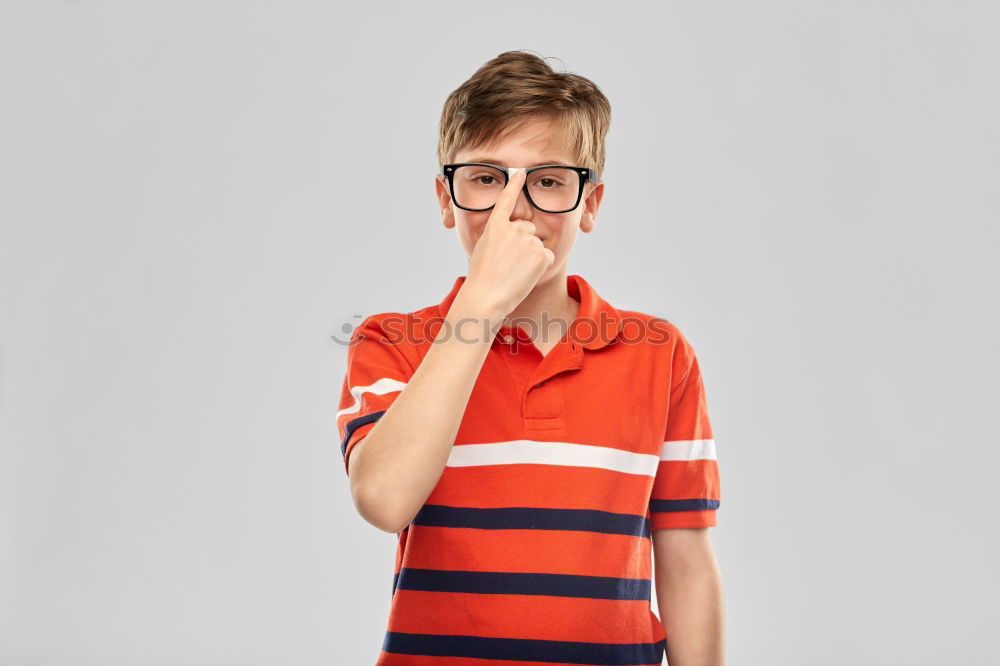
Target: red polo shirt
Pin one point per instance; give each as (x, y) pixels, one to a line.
(535, 545)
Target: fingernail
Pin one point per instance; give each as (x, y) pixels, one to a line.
(513, 170)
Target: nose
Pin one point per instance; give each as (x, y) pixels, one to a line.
(523, 210)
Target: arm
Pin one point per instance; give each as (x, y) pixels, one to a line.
(400, 459)
(689, 595)
(395, 466)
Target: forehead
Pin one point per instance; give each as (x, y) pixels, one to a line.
(529, 143)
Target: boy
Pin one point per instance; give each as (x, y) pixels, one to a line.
(530, 444)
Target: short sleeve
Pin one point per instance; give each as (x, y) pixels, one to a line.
(686, 487)
(376, 373)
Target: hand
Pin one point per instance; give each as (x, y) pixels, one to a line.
(509, 258)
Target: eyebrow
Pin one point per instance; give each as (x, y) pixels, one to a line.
(490, 160)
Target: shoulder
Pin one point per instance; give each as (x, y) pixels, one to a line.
(410, 332)
(662, 336)
(652, 329)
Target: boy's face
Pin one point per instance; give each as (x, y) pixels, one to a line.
(530, 145)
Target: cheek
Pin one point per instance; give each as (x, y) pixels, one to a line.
(470, 228)
(565, 230)
(474, 227)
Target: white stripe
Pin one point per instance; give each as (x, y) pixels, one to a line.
(379, 387)
(688, 449)
(552, 453)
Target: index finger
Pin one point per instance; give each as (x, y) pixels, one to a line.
(508, 196)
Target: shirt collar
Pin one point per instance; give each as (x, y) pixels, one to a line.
(597, 323)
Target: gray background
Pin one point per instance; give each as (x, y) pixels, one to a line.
(808, 190)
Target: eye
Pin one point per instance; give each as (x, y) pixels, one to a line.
(548, 183)
(549, 179)
(481, 177)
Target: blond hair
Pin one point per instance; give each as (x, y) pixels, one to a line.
(514, 88)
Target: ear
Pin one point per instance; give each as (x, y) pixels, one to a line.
(591, 203)
(444, 201)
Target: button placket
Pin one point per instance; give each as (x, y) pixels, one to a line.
(544, 408)
(566, 356)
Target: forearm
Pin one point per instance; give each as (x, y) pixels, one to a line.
(690, 600)
(398, 463)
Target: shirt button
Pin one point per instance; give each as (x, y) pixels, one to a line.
(507, 339)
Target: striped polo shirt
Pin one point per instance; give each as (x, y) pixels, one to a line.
(535, 546)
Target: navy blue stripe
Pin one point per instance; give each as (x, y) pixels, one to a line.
(503, 582)
(354, 424)
(532, 518)
(682, 504)
(524, 649)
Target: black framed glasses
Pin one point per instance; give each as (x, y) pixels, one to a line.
(551, 188)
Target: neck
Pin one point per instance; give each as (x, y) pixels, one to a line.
(548, 303)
